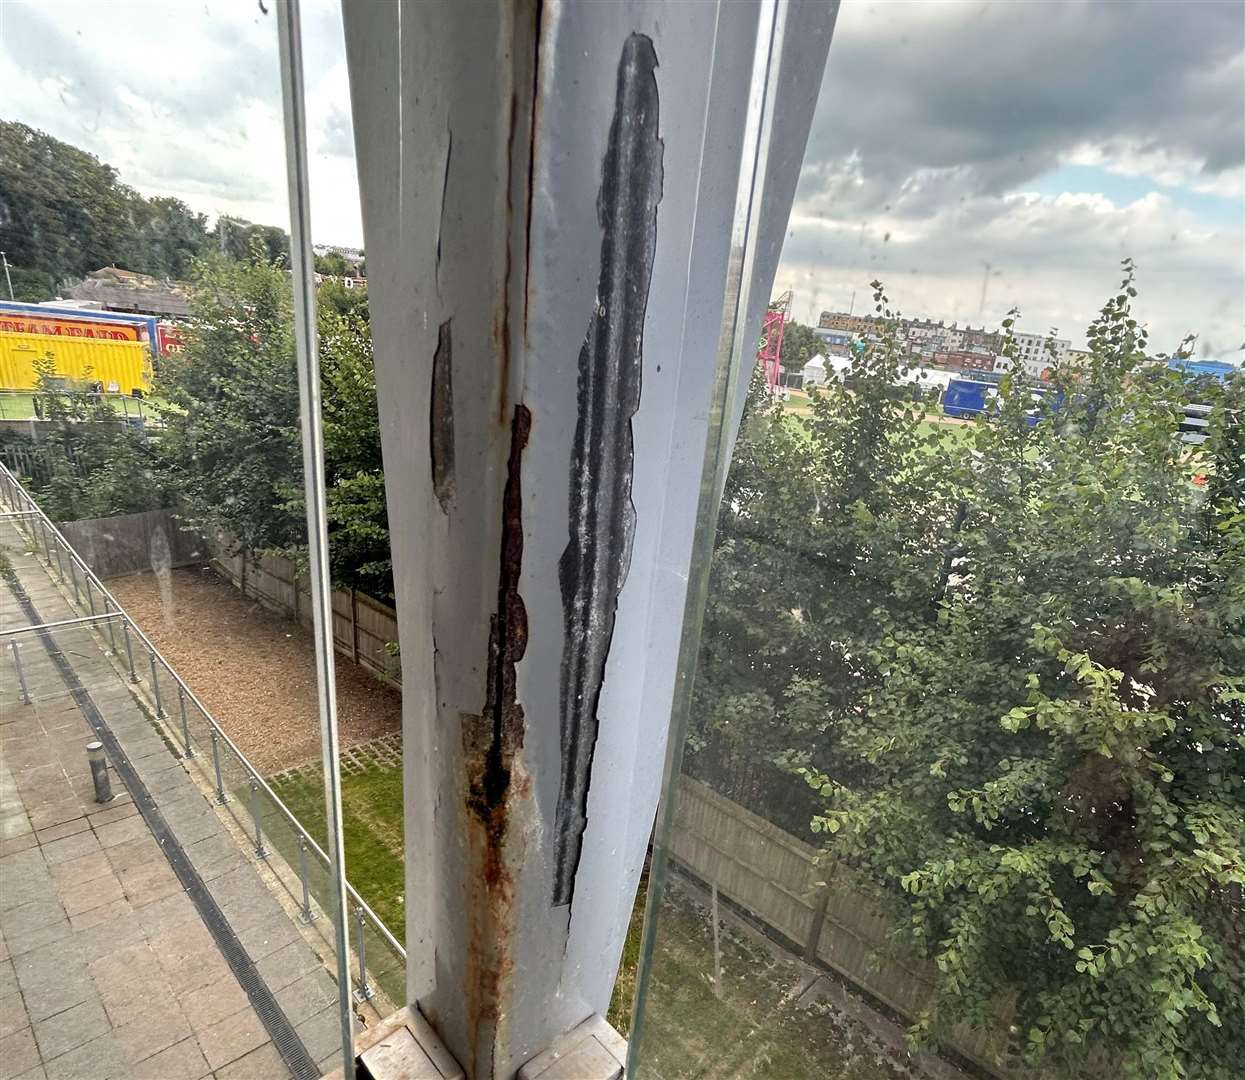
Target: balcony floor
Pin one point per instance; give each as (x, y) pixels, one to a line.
(107, 965)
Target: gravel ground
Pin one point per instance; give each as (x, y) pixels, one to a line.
(253, 668)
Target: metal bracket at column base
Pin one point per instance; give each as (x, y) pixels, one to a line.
(591, 1051)
(402, 1047)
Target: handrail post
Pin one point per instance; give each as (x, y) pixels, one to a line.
(155, 688)
(47, 548)
(365, 991)
(60, 564)
(112, 634)
(90, 595)
(257, 816)
(221, 797)
(187, 750)
(21, 675)
(73, 577)
(129, 651)
(306, 915)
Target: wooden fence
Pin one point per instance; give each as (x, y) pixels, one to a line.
(362, 627)
(774, 876)
(127, 543)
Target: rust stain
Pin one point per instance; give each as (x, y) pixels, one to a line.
(491, 742)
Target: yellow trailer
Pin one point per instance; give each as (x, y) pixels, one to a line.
(120, 366)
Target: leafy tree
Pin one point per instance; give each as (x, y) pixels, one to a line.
(357, 511)
(233, 446)
(64, 213)
(232, 442)
(93, 465)
(799, 346)
(169, 238)
(1011, 669)
(335, 297)
(237, 238)
(32, 286)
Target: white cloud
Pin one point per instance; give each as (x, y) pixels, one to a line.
(184, 100)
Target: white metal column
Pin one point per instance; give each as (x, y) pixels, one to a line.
(549, 196)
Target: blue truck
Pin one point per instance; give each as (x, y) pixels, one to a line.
(968, 398)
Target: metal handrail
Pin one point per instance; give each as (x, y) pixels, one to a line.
(85, 620)
(14, 485)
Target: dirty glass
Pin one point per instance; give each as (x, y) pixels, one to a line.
(960, 786)
(153, 544)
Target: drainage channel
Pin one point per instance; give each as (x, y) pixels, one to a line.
(277, 1024)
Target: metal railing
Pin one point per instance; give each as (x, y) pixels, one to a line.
(131, 408)
(303, 866)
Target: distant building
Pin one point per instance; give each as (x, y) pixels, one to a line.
(111, 289)
(1036, 356)
(837, 342)
(965, 360)
(836, 320)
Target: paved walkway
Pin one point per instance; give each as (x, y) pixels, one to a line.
(107, 968)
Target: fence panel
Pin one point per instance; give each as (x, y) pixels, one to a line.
(774, 875)
(362, 627)
(127, 543)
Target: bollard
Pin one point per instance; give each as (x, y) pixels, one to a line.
(21, 675)
(365, 992)
(221, 797)
(129, 652)
(99, 771)
(257, 816)
(155, 688)
(188, 751)
(306, 915)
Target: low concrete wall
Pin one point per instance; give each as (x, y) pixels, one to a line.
(128, 543)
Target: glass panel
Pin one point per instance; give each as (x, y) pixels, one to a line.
(959, 787)
(149, 423)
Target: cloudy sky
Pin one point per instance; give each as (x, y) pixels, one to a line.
(1016, 149)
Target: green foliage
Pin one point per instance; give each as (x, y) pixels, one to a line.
(1011, 669)
(92, 465)
(358, 516)
(30, 286)
(799, 346)
(237, 238)
(232, 446)
(231, 443)
(64, 213)
(335, 297)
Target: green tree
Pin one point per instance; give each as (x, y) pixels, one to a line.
(1011, 670)
(93, 465)
(232, 446)
(231, 442)
(357, 511)
(237, 238)
(799, 346)
(64, 213)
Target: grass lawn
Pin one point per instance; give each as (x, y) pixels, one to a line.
(20, 406)
(372, 820)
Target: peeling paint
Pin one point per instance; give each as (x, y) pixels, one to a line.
(441, 425)
(601, 522)
(491, 743)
